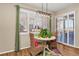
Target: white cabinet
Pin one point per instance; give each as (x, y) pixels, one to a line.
(65, 28)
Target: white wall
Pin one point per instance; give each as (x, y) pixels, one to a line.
(7, 29)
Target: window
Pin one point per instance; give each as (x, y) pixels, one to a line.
(38, 21)
(33, 21)
(65, 29)
(23, 22)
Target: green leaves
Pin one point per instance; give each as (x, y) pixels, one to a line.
(45, 33)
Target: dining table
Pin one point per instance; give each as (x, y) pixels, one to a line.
(44, 42)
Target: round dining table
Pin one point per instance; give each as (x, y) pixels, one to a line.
(44, 41)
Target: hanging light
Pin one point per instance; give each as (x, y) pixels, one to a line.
(44, 13)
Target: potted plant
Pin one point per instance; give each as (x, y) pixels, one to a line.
(44, 33)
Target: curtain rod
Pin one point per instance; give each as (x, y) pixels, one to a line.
(41, 12)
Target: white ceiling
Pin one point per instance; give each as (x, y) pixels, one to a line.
(51, 6)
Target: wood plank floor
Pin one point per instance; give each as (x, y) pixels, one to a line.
(66, 50)
(23, 52)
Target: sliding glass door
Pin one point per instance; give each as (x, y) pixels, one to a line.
(65, 29)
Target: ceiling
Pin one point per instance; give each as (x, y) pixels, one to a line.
(51, 6)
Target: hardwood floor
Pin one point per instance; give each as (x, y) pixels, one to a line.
(23, 52)
(67, 50)
(63, 49)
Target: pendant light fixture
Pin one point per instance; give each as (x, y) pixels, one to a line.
(42, 16)
(44, 12)
(46, 25)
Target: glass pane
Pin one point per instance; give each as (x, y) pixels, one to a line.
(58, 37)
(71, 29)
(61, 36)
(71, 37)
(23, 25)
(65, 37)
(66, 31)
(60, 29)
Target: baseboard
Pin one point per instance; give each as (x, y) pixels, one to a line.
(6, 51)
(25, 47)
(13, 50)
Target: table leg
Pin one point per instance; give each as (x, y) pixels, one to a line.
(50, 51)
(44, 45)
(47, 47)
(44, 52)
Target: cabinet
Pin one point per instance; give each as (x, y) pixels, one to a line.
(65, 28)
